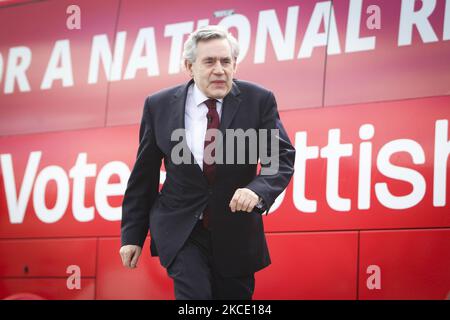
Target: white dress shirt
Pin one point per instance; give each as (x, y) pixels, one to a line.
(195, 122)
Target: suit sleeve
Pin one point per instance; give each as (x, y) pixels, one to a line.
(143, 185)
(269, 183)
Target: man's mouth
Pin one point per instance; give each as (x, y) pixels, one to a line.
(218, 82)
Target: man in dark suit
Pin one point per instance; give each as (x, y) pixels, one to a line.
(206, 222)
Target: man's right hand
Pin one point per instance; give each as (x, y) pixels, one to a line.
(130, 255)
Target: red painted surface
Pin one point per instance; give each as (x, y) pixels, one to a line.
(4, 3)
(47, 258)
(46, 288)
(393, 123)
(310, 265)
(66, 151)
(413, 264)
(390, 71)
(59, 108)
(100, 165)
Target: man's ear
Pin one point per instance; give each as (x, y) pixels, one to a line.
(188, 67)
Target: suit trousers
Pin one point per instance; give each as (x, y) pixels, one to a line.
(194, 276)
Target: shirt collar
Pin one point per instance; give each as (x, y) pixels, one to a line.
(199, 97)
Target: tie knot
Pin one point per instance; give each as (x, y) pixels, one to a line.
(211, 103)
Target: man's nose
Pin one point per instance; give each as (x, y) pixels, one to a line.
(218, 68)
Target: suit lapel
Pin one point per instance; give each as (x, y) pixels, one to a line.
(229, 108)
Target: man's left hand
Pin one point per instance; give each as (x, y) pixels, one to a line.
(243, 200)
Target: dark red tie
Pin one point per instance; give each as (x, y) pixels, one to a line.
(209, 170)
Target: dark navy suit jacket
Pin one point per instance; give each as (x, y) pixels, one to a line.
(238, 239)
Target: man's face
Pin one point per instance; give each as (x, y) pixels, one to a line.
(214, 68)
